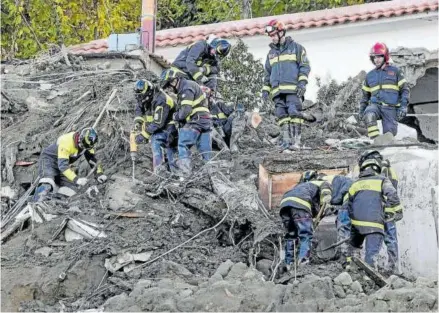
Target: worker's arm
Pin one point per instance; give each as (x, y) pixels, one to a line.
(267, 67)
(304, 66)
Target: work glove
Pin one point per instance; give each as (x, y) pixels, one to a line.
(137, 126)
(92, 192)
(401, 113)
(82, 181)
(101, 178)
(265, 95)
(300, 90)
(327, 200)
(140, 139)
(204, 79)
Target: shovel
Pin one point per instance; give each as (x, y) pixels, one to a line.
(327, 253)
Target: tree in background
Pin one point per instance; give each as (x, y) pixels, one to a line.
(242, 78)
(31, 25)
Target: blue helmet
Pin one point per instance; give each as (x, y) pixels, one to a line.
(143, 88)
(88, 138)
(221, 46)
(308, 176)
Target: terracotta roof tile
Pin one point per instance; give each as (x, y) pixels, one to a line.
(329, 17)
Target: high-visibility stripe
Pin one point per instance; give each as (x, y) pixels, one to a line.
(367, 224)
(393, 174)
(378, 87)
(373, 131)
(199, 109)
(372, 89)
(318, 183)
(346, 197)
(193, 102)
(365, 88)
(284, 57)
(303, 77)
(176, 69)
(298, 200)
(266, 88)
(366, 184)
(208, 68)
(139, 119)
(296, 120)
(170, 101)
(197, 75)
(396, 208)
(393, 87)
(401, 82)
(221, 115)
(149, 118)
(283, 87)
(69, 174)
(283, 121)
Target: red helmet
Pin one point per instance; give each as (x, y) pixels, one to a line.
(379, 49)
(275, 26)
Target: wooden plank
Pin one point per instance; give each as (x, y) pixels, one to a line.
(374, 275)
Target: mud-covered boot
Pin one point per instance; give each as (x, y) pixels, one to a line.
(238, 128)
(285, 137)
(184, 168)
(218, 138)
(297, 137)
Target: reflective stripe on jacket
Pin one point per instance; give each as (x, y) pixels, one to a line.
(386, 86)
(366, 198)
(197, 61)
(192, 101)
(306, 196)
(285, 67)
(163, 107)
(65, 152)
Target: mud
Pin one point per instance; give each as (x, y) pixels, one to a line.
(214, 271)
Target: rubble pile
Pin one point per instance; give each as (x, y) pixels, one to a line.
(154, 242)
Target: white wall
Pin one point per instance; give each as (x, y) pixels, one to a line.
(417, 234)
(342, 51)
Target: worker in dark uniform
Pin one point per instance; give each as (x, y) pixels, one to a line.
(193, 116)
(366, 209)
(392, 215)
(386, 94)
(340, 185)
(222, 117)
(297, 209)
(286, 76)
(201, 60)
(54, 170)
(153, 120)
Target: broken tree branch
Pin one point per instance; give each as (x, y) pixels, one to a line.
(112, 96)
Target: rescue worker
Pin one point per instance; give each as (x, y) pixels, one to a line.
(54, 170)
(369, 196)
(154, 111)
(286, 76)
(193, 116)
(201, 60)
(340, 185)
(222, 118)
(297, 209)
(391, 215)
(385, 94)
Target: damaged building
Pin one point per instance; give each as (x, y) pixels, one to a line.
(213, 242)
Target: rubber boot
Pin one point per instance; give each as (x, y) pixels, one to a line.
(218, 138)
(297, 137)
(42, 192)
(184, 168)
(292, 135)
(285, 136)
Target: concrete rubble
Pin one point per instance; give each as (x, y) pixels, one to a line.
(162, 244)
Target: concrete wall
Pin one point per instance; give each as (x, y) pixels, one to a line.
(342, 51)
(417, 232)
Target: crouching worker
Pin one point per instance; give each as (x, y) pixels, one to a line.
(54, 170)
(153, 121)
(369, 197)
(193, 116)
(297, 209)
